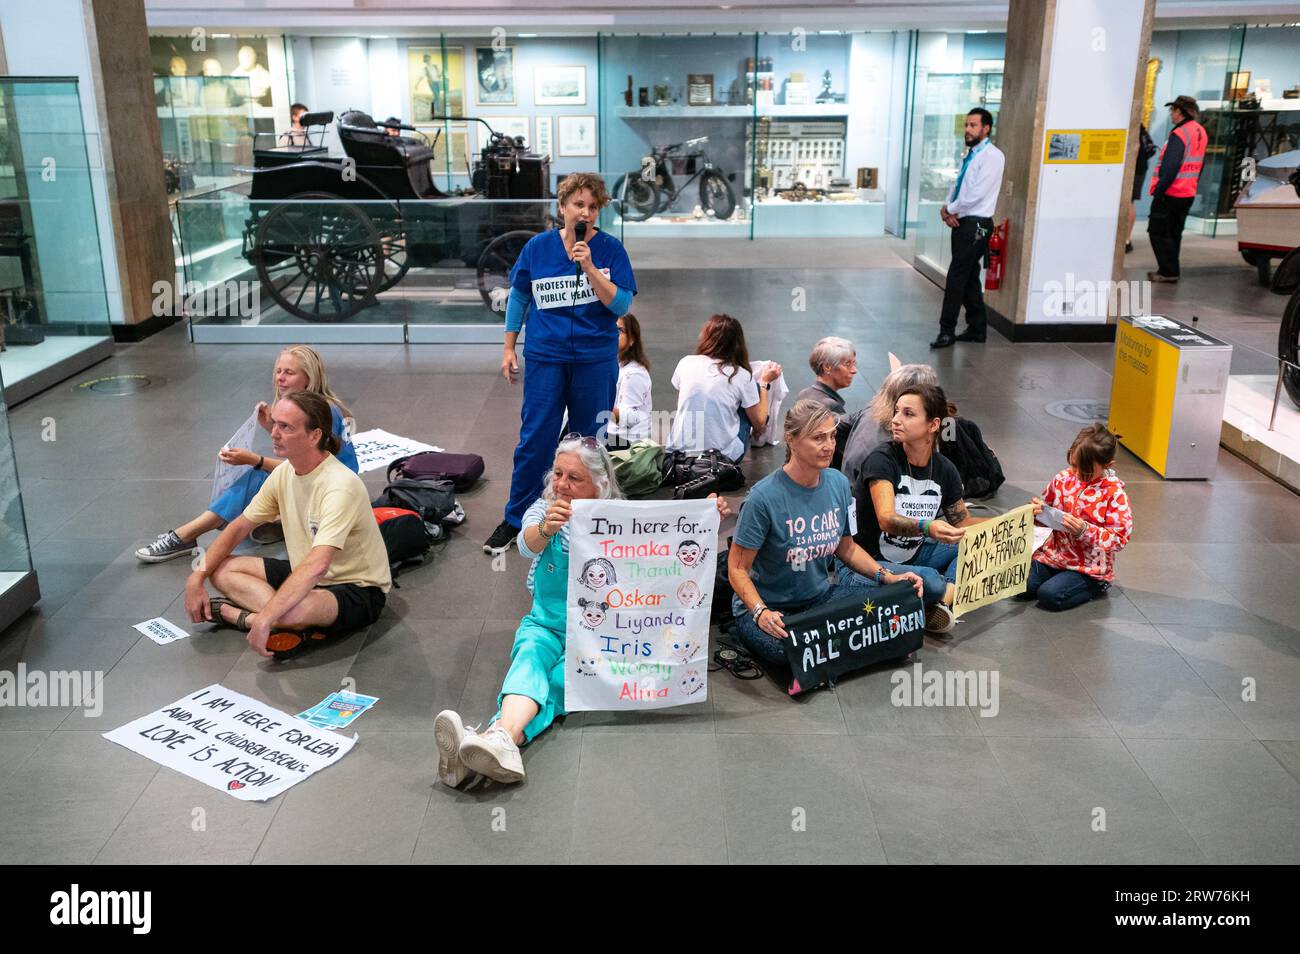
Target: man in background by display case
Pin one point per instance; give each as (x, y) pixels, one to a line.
(969, 213)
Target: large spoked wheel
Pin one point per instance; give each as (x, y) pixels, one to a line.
(319, 258)
(1288, 347)
(396, 264)
(494, 268)
(716, 194)
(638, 199)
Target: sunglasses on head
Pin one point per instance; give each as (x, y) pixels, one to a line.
(588, 442)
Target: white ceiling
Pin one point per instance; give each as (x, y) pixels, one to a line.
(397, 17)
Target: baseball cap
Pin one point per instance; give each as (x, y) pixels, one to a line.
(1186, 104)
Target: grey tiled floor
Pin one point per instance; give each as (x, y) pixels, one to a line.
(1132, 705)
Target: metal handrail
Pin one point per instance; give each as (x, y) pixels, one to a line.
(1282, 365)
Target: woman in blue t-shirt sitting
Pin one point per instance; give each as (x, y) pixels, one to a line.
(795, 520)
(572, 293)
(298, 368)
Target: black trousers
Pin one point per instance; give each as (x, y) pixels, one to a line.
(1165, 226)
(970, 240)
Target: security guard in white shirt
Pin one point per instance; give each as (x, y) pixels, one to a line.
(969, 213)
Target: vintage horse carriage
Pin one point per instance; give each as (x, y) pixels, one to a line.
(328, 234)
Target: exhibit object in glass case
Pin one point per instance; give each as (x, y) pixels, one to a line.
(639, 197)
(325, 245)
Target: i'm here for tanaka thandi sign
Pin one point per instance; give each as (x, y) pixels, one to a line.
(640, 590)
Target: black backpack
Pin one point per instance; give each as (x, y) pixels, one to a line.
(406, 537)
(981, 474)
(433, 500)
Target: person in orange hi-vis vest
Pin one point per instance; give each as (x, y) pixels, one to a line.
(1173, 186)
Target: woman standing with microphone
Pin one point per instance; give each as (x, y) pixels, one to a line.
(571, 285)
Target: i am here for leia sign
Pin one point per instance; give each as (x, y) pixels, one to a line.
(640, 590)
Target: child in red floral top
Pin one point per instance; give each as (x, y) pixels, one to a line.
(1077, 564)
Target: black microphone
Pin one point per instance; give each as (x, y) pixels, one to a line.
(579, 235)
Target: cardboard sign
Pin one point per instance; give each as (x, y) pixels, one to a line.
(993, 560)
(851, 633)
(641, 579)
(233, 743)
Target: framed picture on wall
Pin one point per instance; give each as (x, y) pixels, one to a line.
(444, 136)
(431, 92)
(560, 86)
(577, 135)
(494, 76)
(511, 126)
(543, 145)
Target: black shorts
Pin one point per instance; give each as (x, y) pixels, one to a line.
(359, 606)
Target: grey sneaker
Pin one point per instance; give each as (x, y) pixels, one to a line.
(493, 754)
(449, 733)
(168, 546)
(939, 619)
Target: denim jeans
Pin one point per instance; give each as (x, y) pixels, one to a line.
(1061, 589)
(772, 650)
(935, 563)
(743, 433)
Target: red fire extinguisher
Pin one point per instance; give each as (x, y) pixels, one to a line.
(997, 255)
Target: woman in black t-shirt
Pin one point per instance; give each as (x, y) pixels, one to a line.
(913, 514)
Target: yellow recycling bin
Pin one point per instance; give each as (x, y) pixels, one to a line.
(1167, 394)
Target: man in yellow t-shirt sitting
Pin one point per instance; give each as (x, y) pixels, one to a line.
(336, 578)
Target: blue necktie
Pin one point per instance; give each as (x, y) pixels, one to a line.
(962, 174)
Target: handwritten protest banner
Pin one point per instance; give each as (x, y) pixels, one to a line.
(993, 559)
(233, 743)
(847, 634)
(640, 590)
(377, 448)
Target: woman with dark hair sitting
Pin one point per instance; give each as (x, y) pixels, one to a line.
(917, 514)
(714, 386)
(794, 522)
(629, 420)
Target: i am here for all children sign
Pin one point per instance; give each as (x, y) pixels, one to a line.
(993, 559)
(640, 590)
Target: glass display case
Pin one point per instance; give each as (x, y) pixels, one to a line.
(677, 116)
(938, 142)
(1246, 80)
(206, 123)
(19, 590)
(54, 317)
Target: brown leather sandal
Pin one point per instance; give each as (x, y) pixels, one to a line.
(241, 623)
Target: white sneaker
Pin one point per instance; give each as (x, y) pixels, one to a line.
(939, 619)
(448, 733)
(493, 754)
